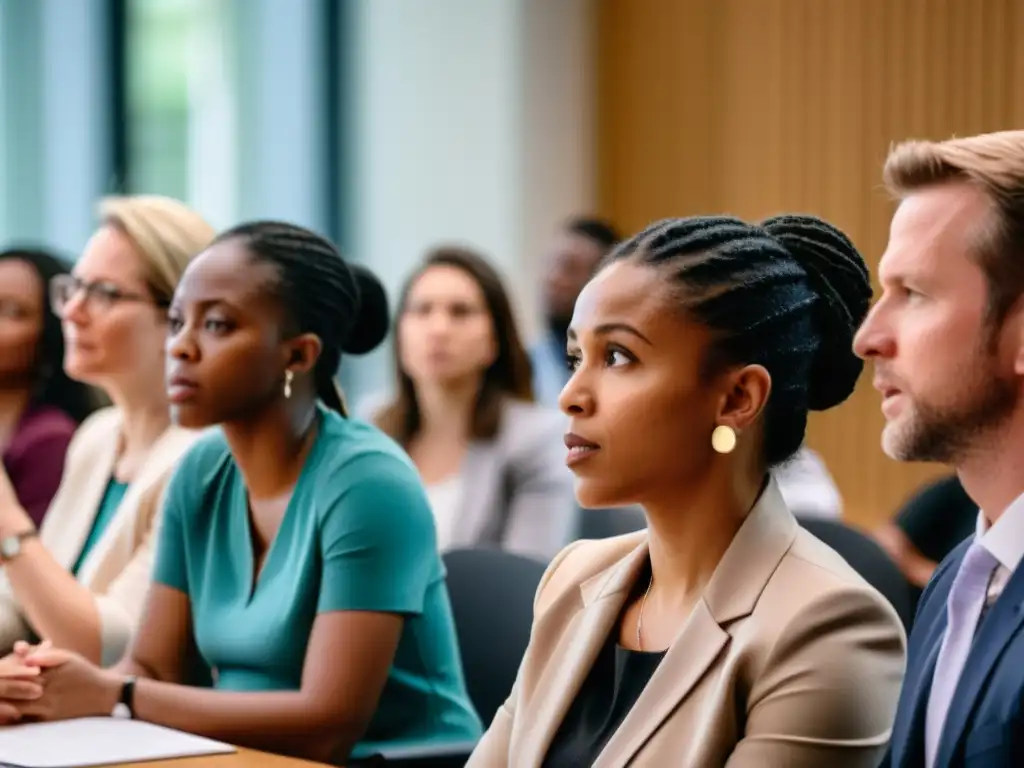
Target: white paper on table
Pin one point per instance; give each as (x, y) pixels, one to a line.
(98, 741)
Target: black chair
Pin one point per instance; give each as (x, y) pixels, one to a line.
(454, 755)
(492, 598)
(868, 559)
(607, 522)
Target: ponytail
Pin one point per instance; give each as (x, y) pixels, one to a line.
(329, 391)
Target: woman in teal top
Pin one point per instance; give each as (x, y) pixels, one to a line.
(298, 552)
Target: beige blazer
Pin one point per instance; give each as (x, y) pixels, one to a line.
(790, 659)
(118, 568)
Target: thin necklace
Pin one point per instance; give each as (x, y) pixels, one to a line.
(640, 618)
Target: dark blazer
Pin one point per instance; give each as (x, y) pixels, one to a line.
(985, 725)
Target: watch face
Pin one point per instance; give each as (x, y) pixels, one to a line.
(10, 546)
(121, 711)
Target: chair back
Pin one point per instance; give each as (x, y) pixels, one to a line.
(868, 559)
(492, 595)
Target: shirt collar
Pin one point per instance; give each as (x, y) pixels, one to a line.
(1005, 539)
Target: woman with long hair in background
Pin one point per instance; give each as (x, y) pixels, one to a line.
(489, 456)
(40, 405)
(81, 578)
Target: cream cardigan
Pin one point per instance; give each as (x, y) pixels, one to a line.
(117, 570)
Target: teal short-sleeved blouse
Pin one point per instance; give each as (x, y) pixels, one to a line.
(358, 535)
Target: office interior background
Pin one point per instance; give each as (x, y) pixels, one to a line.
(394, 125)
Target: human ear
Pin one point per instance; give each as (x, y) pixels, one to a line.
(745, 393)
(302, 352)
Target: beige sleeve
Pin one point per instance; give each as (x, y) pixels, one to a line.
(829, 693)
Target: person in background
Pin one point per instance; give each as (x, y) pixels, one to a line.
(490, 457)
(946, 339)
(574, 256)
(930, 525)
(808, 487)
(80, 580)
(724, 634)
(40, 405)
(298, 549)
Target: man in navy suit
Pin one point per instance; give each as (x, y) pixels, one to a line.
(946, 338)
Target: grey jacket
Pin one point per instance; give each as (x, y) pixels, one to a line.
(517, 492)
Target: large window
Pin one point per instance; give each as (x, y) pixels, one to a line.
(180, 103)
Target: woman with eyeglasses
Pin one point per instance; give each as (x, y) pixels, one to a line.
(79, 581)
(40, 406)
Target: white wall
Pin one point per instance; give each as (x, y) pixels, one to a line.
(473, 125)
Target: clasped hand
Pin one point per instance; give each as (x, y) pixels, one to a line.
(39, 682)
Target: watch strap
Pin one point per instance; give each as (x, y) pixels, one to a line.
(128, 694)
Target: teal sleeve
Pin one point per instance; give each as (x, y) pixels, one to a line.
(170, 568)
(378, 541)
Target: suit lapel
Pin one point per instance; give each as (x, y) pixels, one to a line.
(1003, 622)
(65, 543)
(738, 581)
(124, 514)
(908, 731)
(691, 655)
(480, 469)
(908, 728)
(164, 452)
(569, 663)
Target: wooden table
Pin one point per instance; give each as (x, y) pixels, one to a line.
(243, 758)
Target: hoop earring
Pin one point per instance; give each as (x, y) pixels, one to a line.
(723, 439)
(288, 376)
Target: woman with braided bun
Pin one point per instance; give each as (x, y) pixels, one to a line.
(724, 634)
(298, 552)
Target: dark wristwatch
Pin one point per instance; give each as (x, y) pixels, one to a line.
(10, 546)
(125, 708)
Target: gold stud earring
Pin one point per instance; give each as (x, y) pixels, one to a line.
(723, 439)
(288, 376)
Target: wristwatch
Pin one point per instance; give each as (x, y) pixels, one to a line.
(10, 546)
(124, 709)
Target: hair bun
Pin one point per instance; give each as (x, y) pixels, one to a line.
(839, 277)
(372, 320)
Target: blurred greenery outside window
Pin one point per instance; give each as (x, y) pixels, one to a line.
(181, 96)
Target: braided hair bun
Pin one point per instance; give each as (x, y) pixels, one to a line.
(370, 324)
(840, 280)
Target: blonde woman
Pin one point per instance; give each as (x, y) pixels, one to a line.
(81, 579)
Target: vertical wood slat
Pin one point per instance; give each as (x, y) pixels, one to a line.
(756, 107)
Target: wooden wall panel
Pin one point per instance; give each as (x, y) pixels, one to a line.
(757, 107)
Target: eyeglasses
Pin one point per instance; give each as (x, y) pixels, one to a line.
(101, 295)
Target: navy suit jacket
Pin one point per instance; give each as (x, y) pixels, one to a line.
(985, 725)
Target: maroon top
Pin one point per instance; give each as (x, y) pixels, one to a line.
(34, 459)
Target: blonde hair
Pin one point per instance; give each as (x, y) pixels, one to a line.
(167, 234)
(992, 163)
